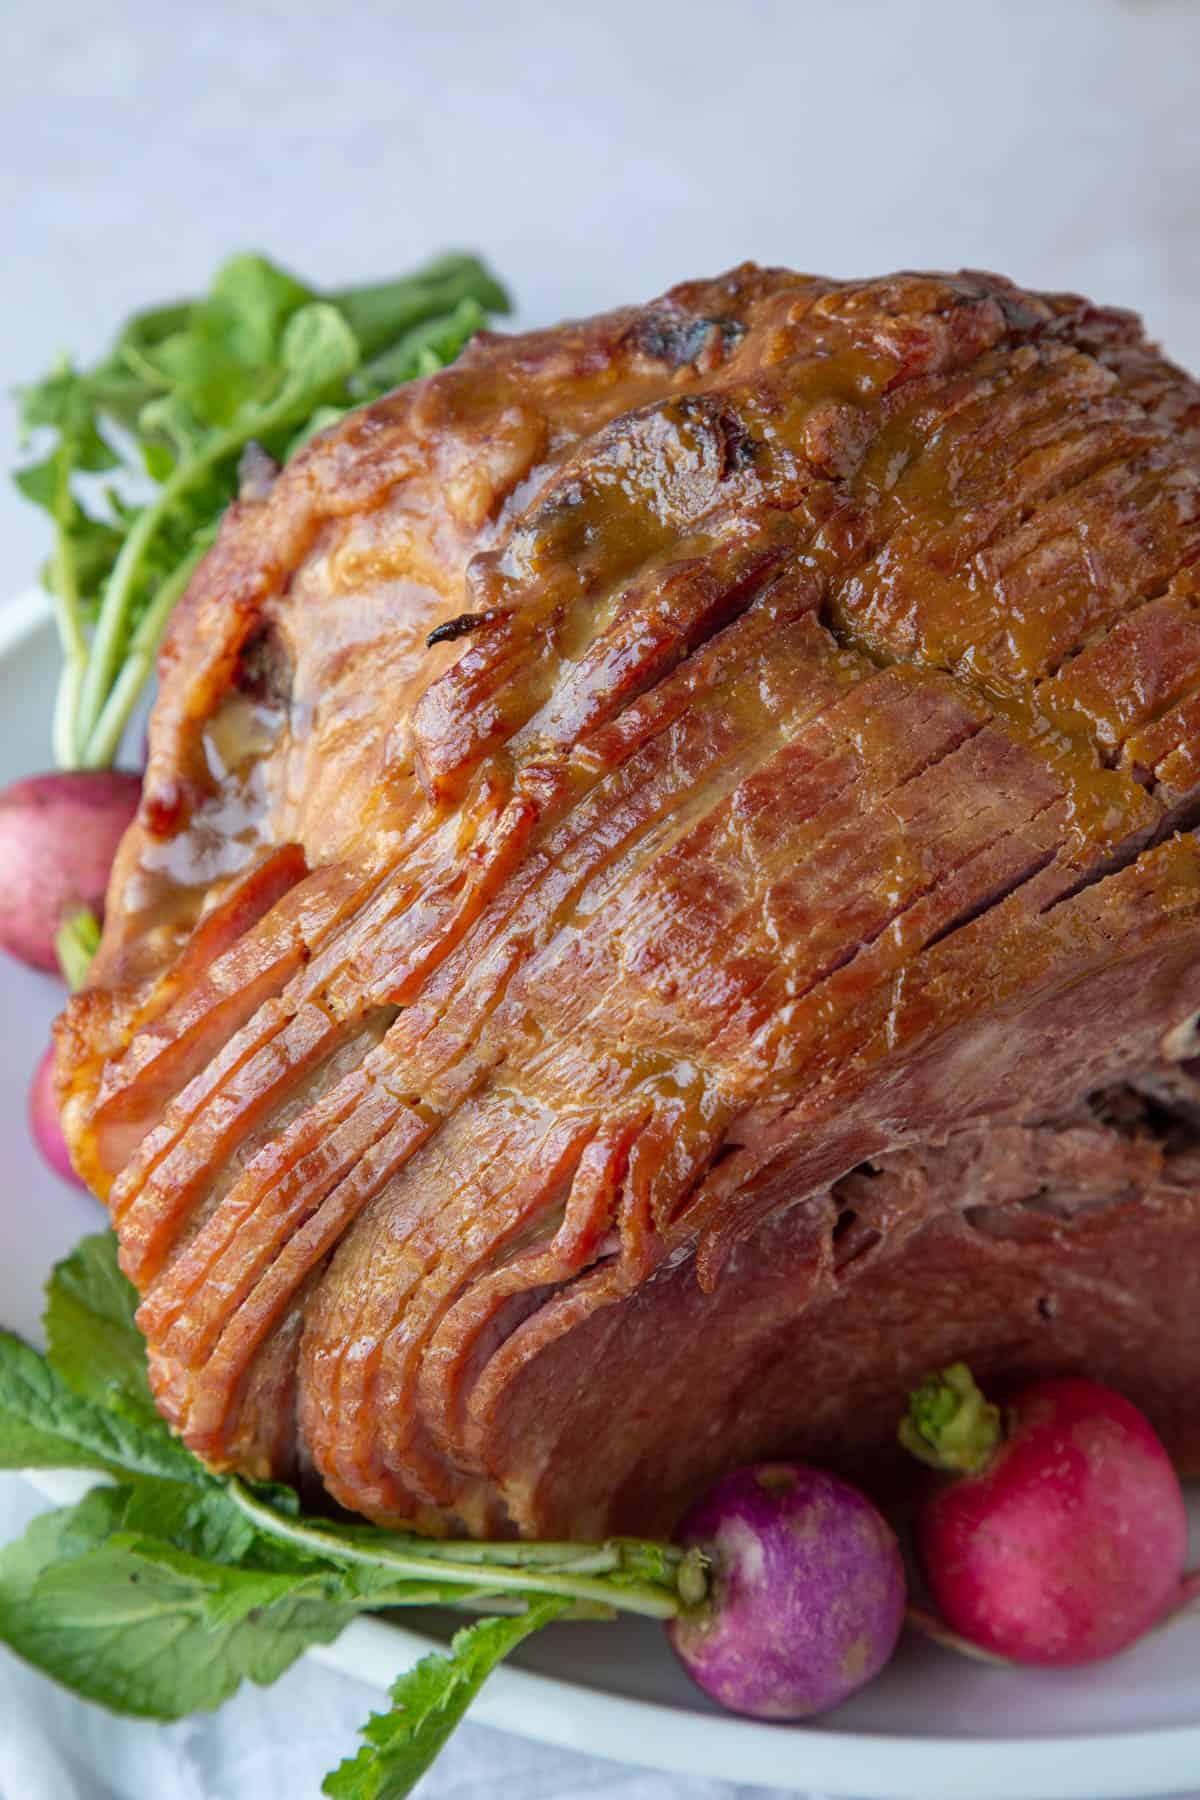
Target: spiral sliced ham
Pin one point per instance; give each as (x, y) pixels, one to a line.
(665, 902)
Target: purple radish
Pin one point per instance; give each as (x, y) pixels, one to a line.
(806, 1592)
(58, 836)
(44, 1123)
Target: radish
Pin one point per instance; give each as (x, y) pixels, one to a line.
(44, 1123)
(1062, 1535)
(806, 1592)
(58, 836)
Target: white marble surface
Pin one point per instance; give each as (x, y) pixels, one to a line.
(597, 154)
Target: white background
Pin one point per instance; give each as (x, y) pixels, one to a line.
(596, 154)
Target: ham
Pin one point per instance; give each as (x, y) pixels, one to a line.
(665, 903)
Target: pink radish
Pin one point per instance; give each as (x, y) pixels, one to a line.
(58, 836)
(1062, 1535)
(44, 1122)
(805, 1594)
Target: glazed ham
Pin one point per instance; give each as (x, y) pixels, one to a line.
(665, 903)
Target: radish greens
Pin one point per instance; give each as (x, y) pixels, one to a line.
(159, 1594)
(136, 458)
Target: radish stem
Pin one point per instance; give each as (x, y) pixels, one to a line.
(100, 747)
(949, 1424)
(112, 625)
(596, 1574)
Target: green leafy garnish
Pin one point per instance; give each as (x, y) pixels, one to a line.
(45, 1425)
(427, 1704)
(94, 1343)
(129, 1620)
(159, 1595)
(137, 457)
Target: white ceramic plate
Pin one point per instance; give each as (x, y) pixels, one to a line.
(934, 1727)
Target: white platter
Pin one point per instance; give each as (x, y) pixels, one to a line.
(934, 1727)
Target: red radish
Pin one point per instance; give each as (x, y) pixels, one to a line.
(806, 1592)
(44, 1121)
(1063, 1535)
(58, 836)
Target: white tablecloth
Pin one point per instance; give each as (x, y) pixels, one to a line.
(597, 153)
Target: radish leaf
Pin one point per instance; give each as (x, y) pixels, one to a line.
(428, 1703)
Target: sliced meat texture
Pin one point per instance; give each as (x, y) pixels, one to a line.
(665, 903)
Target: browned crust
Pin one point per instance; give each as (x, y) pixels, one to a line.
(826, 709)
